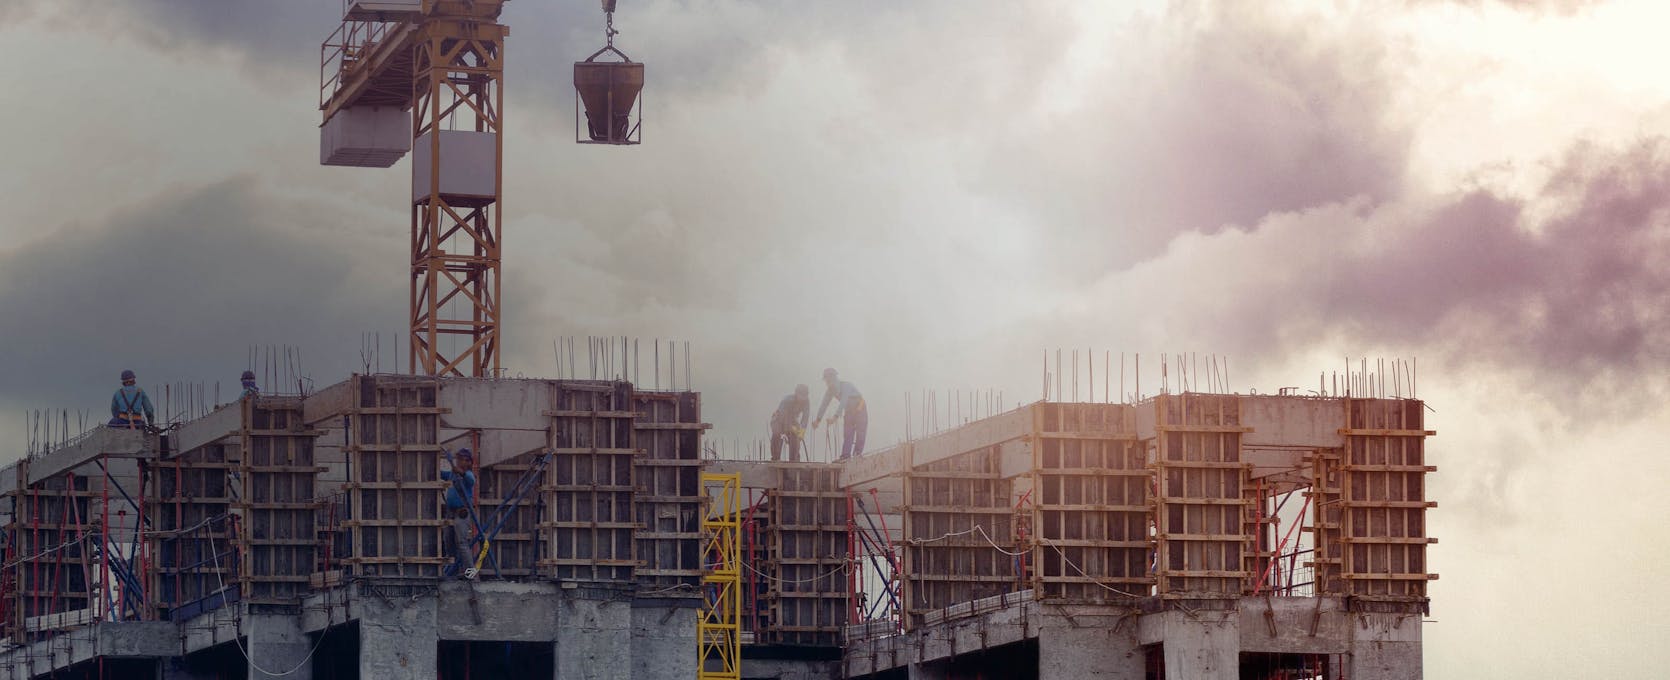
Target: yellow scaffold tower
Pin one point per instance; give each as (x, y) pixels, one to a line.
(719, 631)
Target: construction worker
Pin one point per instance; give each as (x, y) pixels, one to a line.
(857, 417)
(460, 497)
(788, 423)
(250, 390)
(130, 407)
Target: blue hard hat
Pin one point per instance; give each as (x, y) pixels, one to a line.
(127, 375)
(249, 375)
(464, 453)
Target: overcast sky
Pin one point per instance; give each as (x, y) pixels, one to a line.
(928, 195)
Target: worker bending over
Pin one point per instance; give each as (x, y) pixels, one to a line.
(460, 497)
(788, 423)
(130, 407)
(857, 417)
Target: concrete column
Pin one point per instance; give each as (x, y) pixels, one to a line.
(277, 647)
(398, 638)
(594, 635)
(664, 637)
(1203, 645)
(1385, 647)
(1103, 650)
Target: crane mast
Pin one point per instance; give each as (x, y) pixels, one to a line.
(427, 76)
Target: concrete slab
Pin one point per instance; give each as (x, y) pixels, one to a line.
(1293, 421)
(221, 423)
(92, 444)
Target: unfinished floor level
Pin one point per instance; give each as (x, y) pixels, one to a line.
(1198, 536)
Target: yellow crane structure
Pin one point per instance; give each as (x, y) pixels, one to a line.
(719, 630)
(427, 76)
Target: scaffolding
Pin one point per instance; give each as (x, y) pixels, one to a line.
(719, 630)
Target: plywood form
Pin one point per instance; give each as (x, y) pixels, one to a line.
(807, 596)
(590, 523)
(667, 496)
(1090, 504)
(279, 540)
(48, 574)
(956, 508)
(515, 550)
(1383, 501)
(190, 504)
(1201, 501)
(394, 488)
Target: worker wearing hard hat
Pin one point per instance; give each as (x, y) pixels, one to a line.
(788, 423)
(460, 498)
(851, 405)
(250, 390)
(130, 407)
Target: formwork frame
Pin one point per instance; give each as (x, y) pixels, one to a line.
(50, 564)
(195, 539)
(957, 510)
(807, 598)
(1383, 502)
(666, 479)
(394, 486)
(1089, 503)
(1201, 503)
(280, 540)
(590, 483)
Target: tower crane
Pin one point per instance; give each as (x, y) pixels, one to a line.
(427, 77)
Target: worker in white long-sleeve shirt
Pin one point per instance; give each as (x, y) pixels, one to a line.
(851, 407)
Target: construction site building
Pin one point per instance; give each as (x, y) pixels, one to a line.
(1199, 536)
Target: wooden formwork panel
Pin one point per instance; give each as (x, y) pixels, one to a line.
(589, 484)
(1201, 502)
(49, 573)
(668, 498)
(1327, 517)
(956, 509)
(1383, 501)
(806, 543)
(280, 541)
(515, 550)
(191, 491)
(1090, 499)
(394, 482)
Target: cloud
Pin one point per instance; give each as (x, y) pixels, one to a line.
(1205, 116)
(1563, 288)
(178, 287)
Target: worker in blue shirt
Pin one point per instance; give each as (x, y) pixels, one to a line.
(130, 407)
(851, 405)
(250, 390)
(460, 497)
(788, 423)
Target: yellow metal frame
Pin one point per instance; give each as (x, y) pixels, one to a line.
(719, 630)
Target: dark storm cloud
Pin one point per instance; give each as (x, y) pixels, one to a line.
(179, 287)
